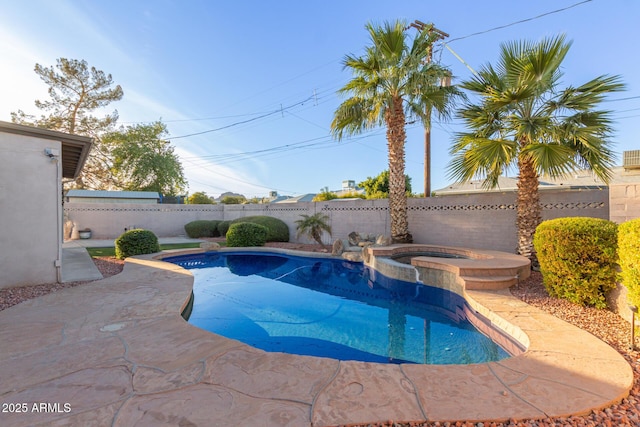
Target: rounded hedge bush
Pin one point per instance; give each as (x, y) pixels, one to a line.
(277, 230)
(578, 258)
(246, 234)
(223, 227)
(202, 228)
(629, 254)
(136, 242)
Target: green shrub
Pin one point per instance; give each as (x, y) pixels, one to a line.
(629, 253)
(136, 242)
(243, 234)
(324, 195)
(278, 231)
(578, 258)
(223, 227)
(202, 228)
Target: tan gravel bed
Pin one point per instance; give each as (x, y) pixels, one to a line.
(604, 324)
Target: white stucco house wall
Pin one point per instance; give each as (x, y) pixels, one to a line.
(34, 162)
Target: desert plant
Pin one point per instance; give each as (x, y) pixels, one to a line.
(244, 234)
(136, 242)
(314, 226)
(202, 228)
(629, 254)
(578, 258)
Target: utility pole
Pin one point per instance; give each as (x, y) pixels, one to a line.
(440, 35)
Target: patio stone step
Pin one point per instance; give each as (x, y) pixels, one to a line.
(488, 282)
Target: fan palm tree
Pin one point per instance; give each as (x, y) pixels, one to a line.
(524, 120)
(391, 80)
(314, 226)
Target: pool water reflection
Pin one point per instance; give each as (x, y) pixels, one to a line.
(331, 308)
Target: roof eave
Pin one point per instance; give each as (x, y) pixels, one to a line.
(75, 148)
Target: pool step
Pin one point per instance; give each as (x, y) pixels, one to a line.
(488, 282)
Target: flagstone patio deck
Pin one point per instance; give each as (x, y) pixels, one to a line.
(117, 352)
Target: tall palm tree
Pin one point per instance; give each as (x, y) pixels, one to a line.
(389, 80)
(524, 120)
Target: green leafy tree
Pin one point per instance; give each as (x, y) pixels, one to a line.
(525, 120)
(233, 200)
(314, 226)
(377, 187)
(324, 195)
(75, 91)
(386, 90)
(144, 161)
(200, 198)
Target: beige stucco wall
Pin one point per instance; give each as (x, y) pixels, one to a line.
(485, 220)
(625, 201)
(30, 198)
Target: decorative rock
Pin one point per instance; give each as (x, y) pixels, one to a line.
(383, 240)
(354, 238)
(210, 246)
(338, 247)
(352, 256)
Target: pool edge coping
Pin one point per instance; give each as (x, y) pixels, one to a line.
(565, 371)
(505, 311)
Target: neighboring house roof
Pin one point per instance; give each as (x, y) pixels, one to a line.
(580, 179)
(104, 194)
(304, 198)
(75, 148)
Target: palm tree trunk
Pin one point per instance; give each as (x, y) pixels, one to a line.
(529, 209)
(427, 152)
(396, 137)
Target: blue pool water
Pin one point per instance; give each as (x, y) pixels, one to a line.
(331, 308)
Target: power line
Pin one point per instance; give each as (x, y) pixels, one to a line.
(281, 110)
(622, 99)
(521, 21)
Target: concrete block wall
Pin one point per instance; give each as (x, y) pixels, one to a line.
(482, 220)
(109, 220)
(624, 201)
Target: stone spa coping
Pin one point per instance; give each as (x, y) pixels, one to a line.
(117, 352)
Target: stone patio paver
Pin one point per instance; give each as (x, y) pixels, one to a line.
(118, 353)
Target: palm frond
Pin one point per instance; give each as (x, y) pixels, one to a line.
(553, 160)
(477, 157)
(590, 94)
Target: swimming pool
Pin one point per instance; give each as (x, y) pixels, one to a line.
(331, 308)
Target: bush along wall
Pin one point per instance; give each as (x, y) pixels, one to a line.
(629, 254)
(202, 228)
(277, 230)
(136, 242)
(578, 258)
(244, 234)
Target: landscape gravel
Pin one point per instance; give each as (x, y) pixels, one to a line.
(604, 324)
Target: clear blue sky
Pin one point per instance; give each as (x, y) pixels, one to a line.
(259, 78)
